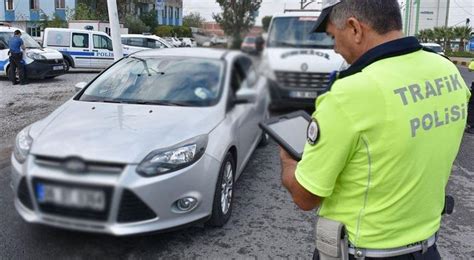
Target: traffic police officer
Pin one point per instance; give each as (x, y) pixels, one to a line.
(16, 57)
(383, 138)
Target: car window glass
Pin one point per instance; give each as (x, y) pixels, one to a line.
(152, 43)
(102, 42)
(80, 40)
(59, 38)
(125, 41)
(137, 42)
(195, 81)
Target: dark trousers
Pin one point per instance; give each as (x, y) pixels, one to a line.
(470, 108)
(431, 254)
(16, 62)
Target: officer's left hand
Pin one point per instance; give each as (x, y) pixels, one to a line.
(286, 159)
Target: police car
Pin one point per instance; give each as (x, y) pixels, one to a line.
(139, 42)
(40, 63)
(81, 48)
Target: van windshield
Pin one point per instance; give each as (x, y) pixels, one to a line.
(291, 32)
(27, 40)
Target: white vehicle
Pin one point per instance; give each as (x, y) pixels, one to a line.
(39, 63)
(188, 42)
(297, 62)
(81, 48)
(138, 42)
(434, 46)
(173, 41)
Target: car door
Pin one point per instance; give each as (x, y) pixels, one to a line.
(103, 52)
(80, 50)
(242, 113)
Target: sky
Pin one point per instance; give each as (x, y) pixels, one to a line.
(459, 11)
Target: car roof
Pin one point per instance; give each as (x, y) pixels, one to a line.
(74, 30)
(188, 52)
(9, 29)
(298, 14)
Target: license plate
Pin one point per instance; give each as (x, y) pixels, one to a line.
(58, 67)
(70, 197)
(303, 94)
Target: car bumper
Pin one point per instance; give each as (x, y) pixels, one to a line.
(283, 97)
(159, 194)
(44, 69)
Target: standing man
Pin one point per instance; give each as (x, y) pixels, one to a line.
(16, 58)
(390, 128)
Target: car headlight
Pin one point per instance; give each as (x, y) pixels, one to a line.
(171, 159)
(23, 144)
(35, 56)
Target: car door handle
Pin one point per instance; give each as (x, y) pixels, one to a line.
(85, 49)
(95, 50)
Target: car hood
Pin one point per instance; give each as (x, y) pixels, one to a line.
(49, 54)
(122, 133)
(292, 59)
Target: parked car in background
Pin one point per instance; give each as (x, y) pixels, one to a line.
(435, 47)
(216, 40)
(155, 142)
(249, 44)
(81, 48)
(174, 41)
(40, 63)
(137, 42)
(188, 42)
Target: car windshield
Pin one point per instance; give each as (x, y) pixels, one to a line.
(172, 81)
(27, 40)
(250, 40)
(288, 32)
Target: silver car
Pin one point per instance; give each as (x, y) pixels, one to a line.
(154, 142)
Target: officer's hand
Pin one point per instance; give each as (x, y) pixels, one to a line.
(286, 159)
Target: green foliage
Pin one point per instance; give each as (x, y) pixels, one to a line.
(266, 22)
(150, 19)
(193, 20)
(135, 25)
(164, 31)
(445, 35)
(56, 22)
(237, 18)
(460, 54)
(173, 31)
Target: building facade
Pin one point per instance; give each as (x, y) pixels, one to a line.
(170, 12)
(26, 14)
(424, 14)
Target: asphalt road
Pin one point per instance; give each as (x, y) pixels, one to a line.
(264, 225)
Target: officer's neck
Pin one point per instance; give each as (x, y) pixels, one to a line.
(373, 39)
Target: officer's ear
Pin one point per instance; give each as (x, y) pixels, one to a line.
(355, 28)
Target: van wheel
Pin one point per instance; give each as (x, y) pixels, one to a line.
(224, 193)
(67, 65)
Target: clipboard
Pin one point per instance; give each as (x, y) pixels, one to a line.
(289, 131)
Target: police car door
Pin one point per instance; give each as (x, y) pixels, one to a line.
(103, 52)
(80, 50)
(4, 59)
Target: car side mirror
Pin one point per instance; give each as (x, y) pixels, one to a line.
(79, 86)
(245, 96)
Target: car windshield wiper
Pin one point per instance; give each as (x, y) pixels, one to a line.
(160, 103)
(103, 100)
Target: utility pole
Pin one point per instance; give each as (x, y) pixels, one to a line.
(447, 14)
(115, 29)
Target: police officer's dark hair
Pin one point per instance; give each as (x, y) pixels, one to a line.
(382, 15)
(17, 32)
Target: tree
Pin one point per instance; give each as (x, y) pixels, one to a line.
(193, 20)
(462, 33)
(135, 25)
(237, 17)
(448, 35)
(150, 19)
(438, 34)
(266, 22)
(164, 31)
(56, 22)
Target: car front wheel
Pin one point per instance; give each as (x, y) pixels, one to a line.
(223, 196)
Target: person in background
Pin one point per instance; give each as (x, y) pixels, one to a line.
(16, 58)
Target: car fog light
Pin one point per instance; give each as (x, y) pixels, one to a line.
(186, 204)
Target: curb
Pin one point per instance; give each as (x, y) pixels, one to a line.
(461, 63)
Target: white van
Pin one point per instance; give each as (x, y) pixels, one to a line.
(39, 63)
(297, 62)
(81, 48)
(138, 42)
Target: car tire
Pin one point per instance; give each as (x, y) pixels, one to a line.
(67, 65)
(224, 193)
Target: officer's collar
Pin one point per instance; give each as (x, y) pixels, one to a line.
(386, 50)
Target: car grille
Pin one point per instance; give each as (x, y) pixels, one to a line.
(24, 194)
(290, 79)
(133, 209)
(57, 61)
(73, 212)
(112, 168)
